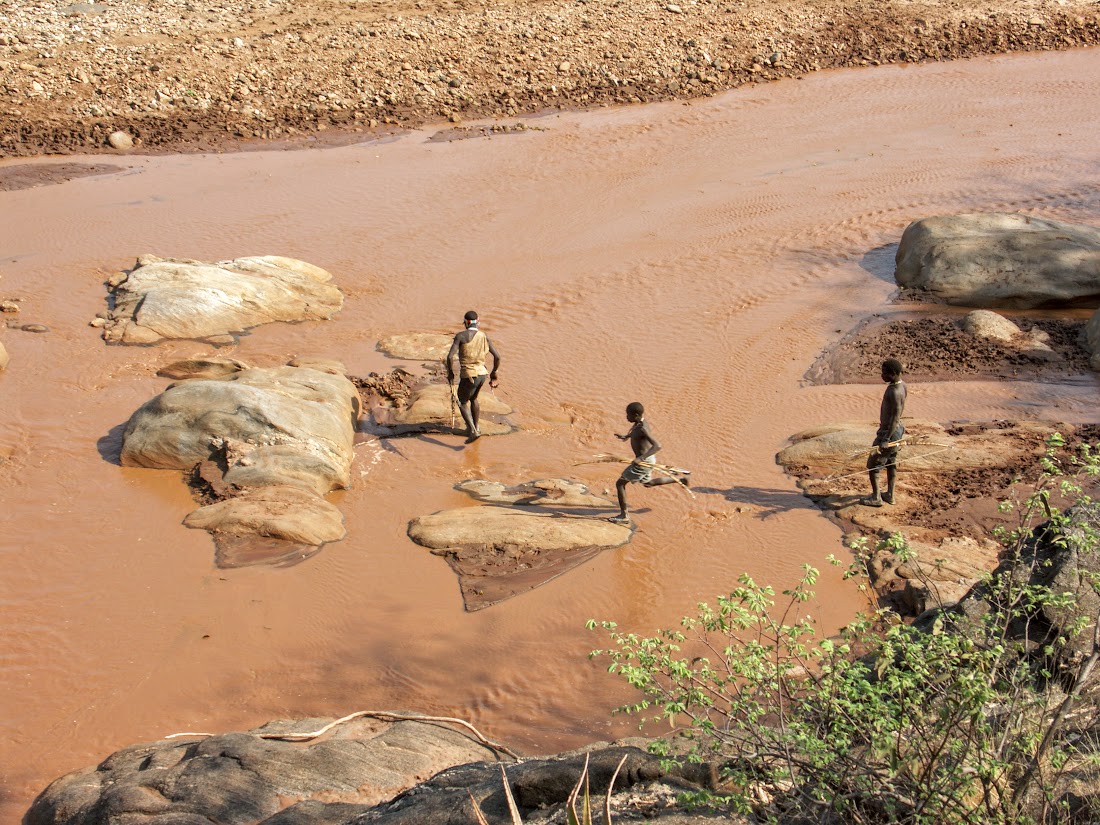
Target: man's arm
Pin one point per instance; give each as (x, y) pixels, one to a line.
(892, 403)
(496, 362)
(450, 357)
(654, 444)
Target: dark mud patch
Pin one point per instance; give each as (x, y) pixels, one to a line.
(28, 175)
(937, 349)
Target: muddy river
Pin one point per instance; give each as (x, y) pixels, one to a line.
(694, 257)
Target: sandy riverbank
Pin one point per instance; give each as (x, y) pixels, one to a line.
(181, 75)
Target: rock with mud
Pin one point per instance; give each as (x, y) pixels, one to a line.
(552, 492)
(430, 409)
(1092, 340)
(176, 298)
(249, 777)
(989, 326)
(417, 346)
(1001, 260)
(500, 552)
(264, 445)
(950, 481)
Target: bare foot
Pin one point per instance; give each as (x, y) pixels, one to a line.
(888, 499)
(623, 520)
(871, 502)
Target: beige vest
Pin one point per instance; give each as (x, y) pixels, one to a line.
(472, 354)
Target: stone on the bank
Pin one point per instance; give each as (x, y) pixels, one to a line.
(1001, 259)
(4, 360)
(983, 323)
(277, 512)
(500, 552)
(166, 298)
(417, 346)
(121, 141)
(1092, 340)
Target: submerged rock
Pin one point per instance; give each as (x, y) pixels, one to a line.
(417, 346)
(500, 552)
(429, 409)
(1001, 259)
(168, 298)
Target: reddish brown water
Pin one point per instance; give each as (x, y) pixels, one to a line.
(694, 257)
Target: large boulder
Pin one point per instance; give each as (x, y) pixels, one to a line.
(264, 445)
(1001, 260)
(386, 773)
(247, 778)
(500, 552)
(169, 298)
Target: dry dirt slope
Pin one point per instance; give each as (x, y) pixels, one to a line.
(203, 74)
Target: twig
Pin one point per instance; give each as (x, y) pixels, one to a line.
(378, 714)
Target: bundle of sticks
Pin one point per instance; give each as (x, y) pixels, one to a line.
(663, 469)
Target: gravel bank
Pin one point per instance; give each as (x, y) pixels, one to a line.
(210, 74)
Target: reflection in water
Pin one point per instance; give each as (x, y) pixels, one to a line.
(616, 255)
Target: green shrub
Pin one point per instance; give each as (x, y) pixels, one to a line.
(954, 723)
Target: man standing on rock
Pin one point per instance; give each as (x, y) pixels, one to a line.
(640, 470)
(471, 346)
(884, 451)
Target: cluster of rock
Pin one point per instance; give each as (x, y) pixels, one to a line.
(266, 443)
(1004, 260)
(174, 298)
(96, 75)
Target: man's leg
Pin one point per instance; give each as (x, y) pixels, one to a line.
(467, 405)
(620, 489)
(891, 479)
(657, 482)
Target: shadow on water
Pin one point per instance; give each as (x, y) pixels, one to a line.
(110, 445)
(880, 262)
(768, 502)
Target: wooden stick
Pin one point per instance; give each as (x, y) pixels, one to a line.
(378, 714)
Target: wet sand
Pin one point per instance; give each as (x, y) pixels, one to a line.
(696, 257)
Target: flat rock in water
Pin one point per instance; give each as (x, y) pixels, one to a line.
(429, 410)
(208, 368)
(500, 552)
(417, 346)
(167, 298)
(1001, 260)
(284, 513)
(547, 492)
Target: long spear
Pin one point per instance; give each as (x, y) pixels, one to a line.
(666, 469)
